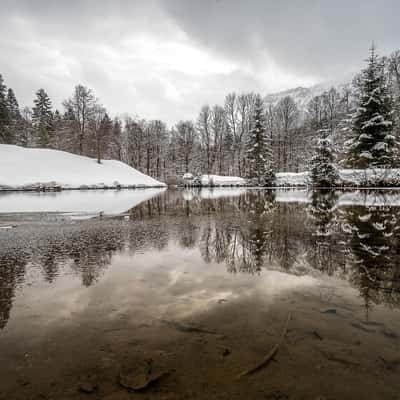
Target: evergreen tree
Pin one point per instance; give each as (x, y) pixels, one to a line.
(323, 170)
(259, 152)
(14, 118)
(57, 131)
(42, 119)
(67, 136)
(26, 132)
(3, 112)
(116, 147)
(372, 143)
(103, 140)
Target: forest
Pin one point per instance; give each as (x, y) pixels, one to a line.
(355, 125)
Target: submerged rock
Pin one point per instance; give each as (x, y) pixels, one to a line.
(87, 384)
(141, 377)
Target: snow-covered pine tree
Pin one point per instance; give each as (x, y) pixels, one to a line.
(258, 148)
(42, 119)
(372, 143)
(323, 171)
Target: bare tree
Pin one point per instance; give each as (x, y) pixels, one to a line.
(232, 125)
(245, 111)
(218, 132)
(82, 104)
(206, 136)
(186, 140)
(100, 128)
(288, 114)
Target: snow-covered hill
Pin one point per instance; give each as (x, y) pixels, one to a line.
(22, 168)
(303, 95)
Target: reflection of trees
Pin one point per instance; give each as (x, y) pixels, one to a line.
(286, 235)
(248, 232)
(258, 229)
(323, 251)
(374, 244)
(239, 232)
(12, 270)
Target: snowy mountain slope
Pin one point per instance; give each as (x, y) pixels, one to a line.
(303, 95)
(22, 168)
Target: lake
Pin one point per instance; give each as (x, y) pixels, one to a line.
(200, 294)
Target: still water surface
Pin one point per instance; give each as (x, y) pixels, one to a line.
(181, 292)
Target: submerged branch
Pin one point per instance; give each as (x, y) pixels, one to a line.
(269, 357)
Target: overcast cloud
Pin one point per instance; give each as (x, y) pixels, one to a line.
(166, 58)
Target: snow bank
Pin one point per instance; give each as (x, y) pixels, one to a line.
(291, 179)
(82, 203)
(370, 177)
(218, 180)
(22, 168)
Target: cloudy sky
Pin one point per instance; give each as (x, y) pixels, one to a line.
(166, 58)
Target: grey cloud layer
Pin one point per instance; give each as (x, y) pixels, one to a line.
(165, 58)
(311, 35)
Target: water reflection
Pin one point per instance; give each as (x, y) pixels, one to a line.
(373, 240)
(248, 231)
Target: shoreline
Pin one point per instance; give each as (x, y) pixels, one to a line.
(57, 189)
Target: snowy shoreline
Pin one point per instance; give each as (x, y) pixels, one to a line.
(49, 188)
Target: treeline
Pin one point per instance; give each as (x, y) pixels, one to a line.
(222, 140)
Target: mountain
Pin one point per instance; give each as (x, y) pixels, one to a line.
(303, 95)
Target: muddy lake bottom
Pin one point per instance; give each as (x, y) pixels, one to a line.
(229, 295)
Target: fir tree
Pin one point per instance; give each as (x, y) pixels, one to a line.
(67, 136)
(116, 145)
(57, 130)
(26, 132)
(372, 143)
(42, 118)
(3, 112)
(323, 170)
(14, 118)
(259, 153)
